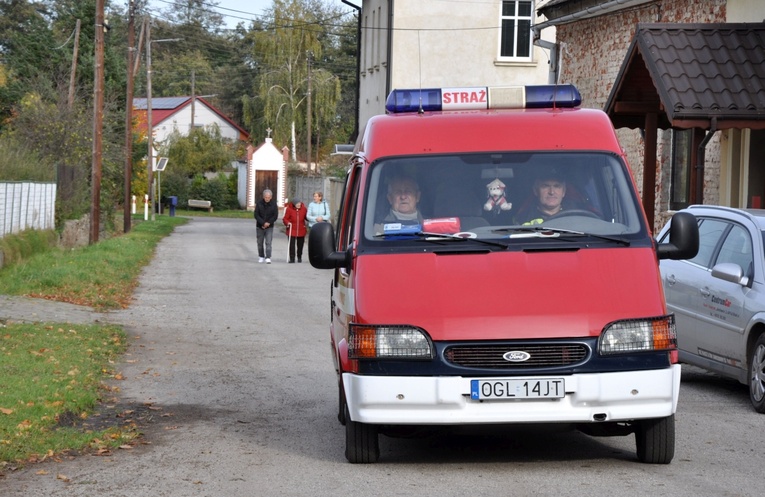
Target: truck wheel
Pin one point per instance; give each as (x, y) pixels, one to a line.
(341, 407)
(757, 375)
(361, 441)
(655, 440)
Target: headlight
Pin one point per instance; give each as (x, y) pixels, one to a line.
(636, 335)
(388, 342)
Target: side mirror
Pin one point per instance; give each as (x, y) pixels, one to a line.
(683, 238)
(321, 248)
(729, 271)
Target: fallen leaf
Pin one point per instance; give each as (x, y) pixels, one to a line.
(6, 411)
(41, 472)
(126, 447)
(62, 477)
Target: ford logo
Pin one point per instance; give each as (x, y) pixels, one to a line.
(516, 356)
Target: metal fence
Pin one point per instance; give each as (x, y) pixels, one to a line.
(27, 205)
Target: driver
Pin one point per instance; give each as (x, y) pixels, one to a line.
(549, 190)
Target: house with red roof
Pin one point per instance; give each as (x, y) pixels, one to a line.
(183, 114)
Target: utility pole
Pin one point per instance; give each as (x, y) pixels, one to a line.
(73, 76)
(193, 99)
(308, 116)
(138, 49)
(127, 201)
(98, 119)
(150, 126)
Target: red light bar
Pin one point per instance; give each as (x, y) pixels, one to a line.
(476, 98)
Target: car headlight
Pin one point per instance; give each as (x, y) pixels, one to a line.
(636, 335)
(388, 342)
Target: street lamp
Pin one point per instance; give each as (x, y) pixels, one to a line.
(150, 126)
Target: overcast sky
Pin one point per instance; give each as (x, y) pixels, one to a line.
(236, 11)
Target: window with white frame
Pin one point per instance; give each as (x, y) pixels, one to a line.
(515, 33)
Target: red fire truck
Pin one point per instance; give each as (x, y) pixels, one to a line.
(493, 265)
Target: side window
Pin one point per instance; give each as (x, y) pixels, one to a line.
(348, 214)
(710, 231)
(737, 248)
(515, 42)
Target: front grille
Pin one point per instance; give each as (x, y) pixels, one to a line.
(541, 356)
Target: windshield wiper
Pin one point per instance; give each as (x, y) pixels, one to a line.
(542, 230)
(427, 236)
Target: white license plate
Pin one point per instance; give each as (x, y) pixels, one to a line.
(518, 388)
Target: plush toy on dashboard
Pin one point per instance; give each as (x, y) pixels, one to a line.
(497, 201)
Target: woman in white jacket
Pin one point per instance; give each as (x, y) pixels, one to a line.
(318, 210)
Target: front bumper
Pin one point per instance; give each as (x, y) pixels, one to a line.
(445, 400)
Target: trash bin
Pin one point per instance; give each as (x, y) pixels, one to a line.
(173, 201)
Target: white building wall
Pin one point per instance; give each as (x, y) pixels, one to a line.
(203, 116)
(745, 11)
(437, 44)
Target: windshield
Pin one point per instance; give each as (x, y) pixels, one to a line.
(501, 197)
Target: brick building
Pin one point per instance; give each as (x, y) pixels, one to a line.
(595, 36)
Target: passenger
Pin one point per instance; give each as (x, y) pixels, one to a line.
(550, 190)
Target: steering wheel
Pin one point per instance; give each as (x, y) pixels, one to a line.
(574, 212)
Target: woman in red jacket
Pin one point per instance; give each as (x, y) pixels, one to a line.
(294, 220)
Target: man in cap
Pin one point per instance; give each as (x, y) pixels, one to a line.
(549, 189)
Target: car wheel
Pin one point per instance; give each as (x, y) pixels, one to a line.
(362, 444)
(757, 375)
(655, 440)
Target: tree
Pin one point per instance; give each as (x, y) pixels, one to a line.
(201, 151)
(283, 48)
(198, 13)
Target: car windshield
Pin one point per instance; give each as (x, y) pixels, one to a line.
(502, 197)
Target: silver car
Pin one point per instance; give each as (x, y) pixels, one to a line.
(718, 297)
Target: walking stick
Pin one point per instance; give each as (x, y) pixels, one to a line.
(289, 240)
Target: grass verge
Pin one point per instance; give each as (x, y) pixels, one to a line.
(16, 247)
(52, 375)
(102, 276)
(50, 381)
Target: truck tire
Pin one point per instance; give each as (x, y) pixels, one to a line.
(341, 407)
(655, 440)
(362, 444)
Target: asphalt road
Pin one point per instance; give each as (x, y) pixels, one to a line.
(229, 375)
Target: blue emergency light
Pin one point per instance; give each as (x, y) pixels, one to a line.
(476, 98)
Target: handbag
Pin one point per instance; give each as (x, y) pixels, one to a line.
(326, 212)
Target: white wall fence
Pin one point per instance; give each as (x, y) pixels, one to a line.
(27, 205)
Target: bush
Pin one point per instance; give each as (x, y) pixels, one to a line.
(20, 246)
(174, 184)
(216, 190)
(18, 162)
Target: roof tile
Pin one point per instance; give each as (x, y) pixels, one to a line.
(699, 71)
